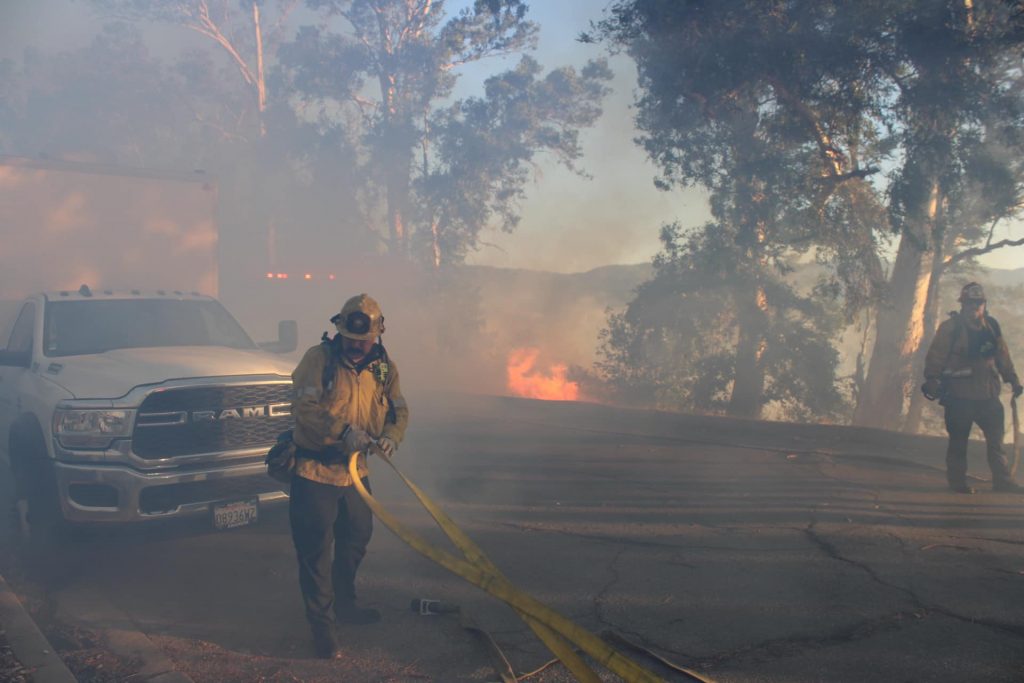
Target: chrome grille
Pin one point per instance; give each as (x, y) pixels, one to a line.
(211, 419)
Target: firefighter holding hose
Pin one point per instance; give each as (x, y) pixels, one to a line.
(347, 399)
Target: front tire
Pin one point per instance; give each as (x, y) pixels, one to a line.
(38, 513)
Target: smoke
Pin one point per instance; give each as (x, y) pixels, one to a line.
(453, 330)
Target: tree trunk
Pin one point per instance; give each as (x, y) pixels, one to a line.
(398, 200)
(900, 323)
(751, 300)
(748, 381)
(931, 322)
(261, 83)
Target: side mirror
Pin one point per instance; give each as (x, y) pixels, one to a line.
(17, 359)
(287, 338)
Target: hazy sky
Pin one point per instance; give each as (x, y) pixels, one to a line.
(569, 223)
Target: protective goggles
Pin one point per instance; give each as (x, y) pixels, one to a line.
(355, 322)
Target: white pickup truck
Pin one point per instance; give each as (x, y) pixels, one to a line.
(135, 406)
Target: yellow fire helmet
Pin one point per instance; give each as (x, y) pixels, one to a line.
(972, 291)
(360, 318)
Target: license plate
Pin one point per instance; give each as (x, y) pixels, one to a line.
(235, 513)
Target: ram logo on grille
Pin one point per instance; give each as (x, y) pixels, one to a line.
(225, 414)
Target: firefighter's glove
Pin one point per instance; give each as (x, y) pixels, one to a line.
(386, 446)
(1017, 390)
(355, 439)
(931, 389)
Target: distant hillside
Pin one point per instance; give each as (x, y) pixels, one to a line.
(1005, 277)
(558, 312)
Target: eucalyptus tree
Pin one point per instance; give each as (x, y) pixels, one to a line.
(482, 151)
(955, 68)
(444, 169)
(889, 119)
(241, 30)
(732, 99)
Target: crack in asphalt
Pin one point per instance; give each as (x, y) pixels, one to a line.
(831, 551)
(599, 597)
(792, 645)
(617, 540)
(621, 540)
(1008, 541)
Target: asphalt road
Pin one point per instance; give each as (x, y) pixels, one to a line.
(747, 551)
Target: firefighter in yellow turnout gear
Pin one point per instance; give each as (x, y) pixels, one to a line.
(963, 368)
(347, 398)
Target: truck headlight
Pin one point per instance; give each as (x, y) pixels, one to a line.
(90, 428)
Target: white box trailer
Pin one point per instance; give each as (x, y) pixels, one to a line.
(64, 224)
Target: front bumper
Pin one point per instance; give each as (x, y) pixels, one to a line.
(115, 493)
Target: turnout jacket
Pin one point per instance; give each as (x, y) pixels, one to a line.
(326, 403)
(969, 356)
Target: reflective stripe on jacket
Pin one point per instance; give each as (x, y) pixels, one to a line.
(963, 374)
(357, 398)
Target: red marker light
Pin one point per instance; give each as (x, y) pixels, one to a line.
(331, 276)
(282, 276)
(308, 276)
(270, 276)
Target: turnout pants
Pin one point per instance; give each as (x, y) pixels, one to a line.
(961, 415)
(331, 527)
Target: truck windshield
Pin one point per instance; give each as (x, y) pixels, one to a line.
(94, 326)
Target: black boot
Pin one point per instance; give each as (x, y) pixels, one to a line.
(348, 613)
(324, 643)
(960, 487)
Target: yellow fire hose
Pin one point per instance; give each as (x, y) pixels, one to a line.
(1016, 436)
(555, 630)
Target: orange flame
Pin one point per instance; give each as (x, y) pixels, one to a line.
(524, 381)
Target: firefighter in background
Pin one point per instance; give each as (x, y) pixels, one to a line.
(347, 399)
(962, 369)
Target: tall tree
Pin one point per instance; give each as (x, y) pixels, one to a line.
(781, 151)
(410, 52)
(273, 162)
(483, 150)
(957, 98)
(921, 88)
(240, 30)
(442, 168)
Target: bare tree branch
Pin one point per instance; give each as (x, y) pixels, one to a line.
(856, 173)
(978, 251)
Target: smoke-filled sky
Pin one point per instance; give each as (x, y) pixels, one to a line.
(569, 223)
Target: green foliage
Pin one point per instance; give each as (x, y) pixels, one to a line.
(484, 148)
(674, 345)
(836, 129)
(763, 131)
(445, 171)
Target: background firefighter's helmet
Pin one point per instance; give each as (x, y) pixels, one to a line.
(360, 318)
(972, 291)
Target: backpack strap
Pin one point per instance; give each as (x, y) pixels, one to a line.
(332, 352)
(994, 326)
